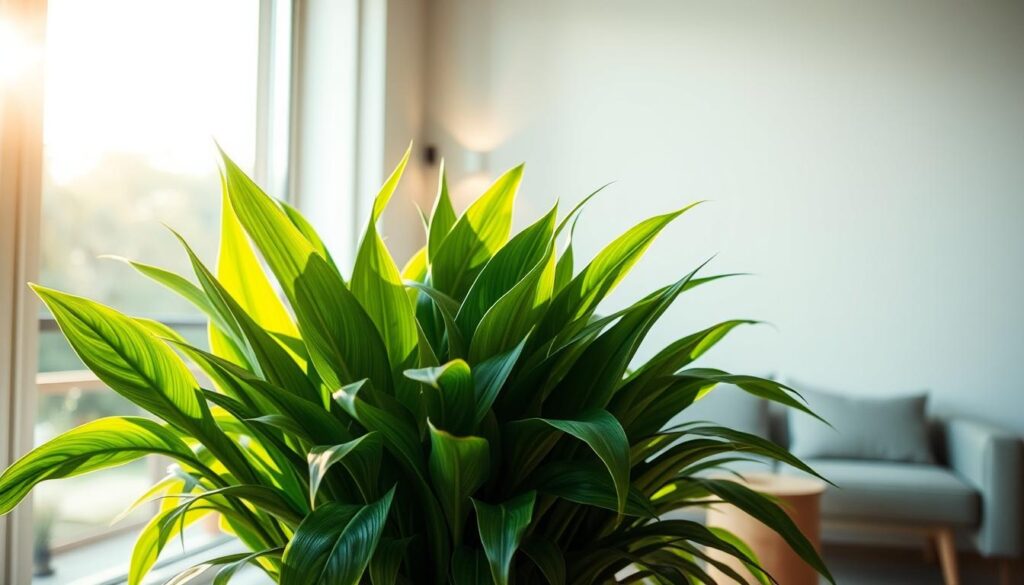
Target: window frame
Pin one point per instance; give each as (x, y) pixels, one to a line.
(20, 193)
(289, 131)
(21, 168)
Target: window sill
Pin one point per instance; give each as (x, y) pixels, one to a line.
(90, 564)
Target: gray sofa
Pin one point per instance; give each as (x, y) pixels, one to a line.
(973, 495)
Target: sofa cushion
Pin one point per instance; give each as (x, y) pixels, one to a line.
(729, 406)
(877, 429)
(906, 493)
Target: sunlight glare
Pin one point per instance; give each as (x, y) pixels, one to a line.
(17, 53)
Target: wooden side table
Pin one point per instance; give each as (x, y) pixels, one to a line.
(801, 498)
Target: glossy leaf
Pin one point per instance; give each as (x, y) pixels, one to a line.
(605, 437)
(242, 276)
(458, 467)
(127, 357)
(580, 297)
(361, 457)
(769, 513)
(476, 236)
(515, 314)
(502, 527)
(454, 405)
(377, 284)
(443, 217)
(103, 443)
(334, 543)
(506, 269)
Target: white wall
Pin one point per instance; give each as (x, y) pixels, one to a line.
(864, 159)
(404, 121)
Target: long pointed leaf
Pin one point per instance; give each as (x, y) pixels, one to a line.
(502, 527)
(458, 467)
(476, 236)
(334, 544)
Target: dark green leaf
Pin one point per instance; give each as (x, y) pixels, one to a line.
(458, 467)
(334, 543)
(502, 527)
(453, 406)
(361, 457)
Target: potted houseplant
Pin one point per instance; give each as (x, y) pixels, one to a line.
(470, 419)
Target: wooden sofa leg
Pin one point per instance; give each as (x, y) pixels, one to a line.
(1005, 571)
(946, 544)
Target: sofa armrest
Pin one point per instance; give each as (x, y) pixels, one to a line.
(990, 459)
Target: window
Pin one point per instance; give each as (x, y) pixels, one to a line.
(121, 141)
(135, 93)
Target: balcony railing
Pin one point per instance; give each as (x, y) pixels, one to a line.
(71, 389)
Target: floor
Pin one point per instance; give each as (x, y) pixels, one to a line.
(863, 566)
(869, 566)
(850, 566)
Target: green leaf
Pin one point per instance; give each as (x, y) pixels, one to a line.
(269, 358)
(684, 351)
(458, 467)
(127, 357)
(262, 498)
(760, 387)
(508, 266)
(548, 558)
(502, 527)
(751, 443)
(564, 269)
(312, 418)
(173, 282)
(443, 218)
(470, 567)
(599, 370)
(282, 245)
(155, 535)
(344, 344)
(361, 457)
(447, 307)
(242, 276)
(490, 376)
(454, 405)
(736, 541)
(476, 236)
(102, 443)
(605, 437)
(376, 412)
(580, 297)
(175, 482)
(590, 485)
(377, 284)
(306, 229)
(770, 514)
(387, 560)
(334, 543)
(225, 574)
(516, 313)
(415, 269)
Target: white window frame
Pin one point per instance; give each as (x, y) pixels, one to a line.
(20, 187)
(300, 80)
(21, 154)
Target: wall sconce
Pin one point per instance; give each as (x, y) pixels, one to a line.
(474, 162)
